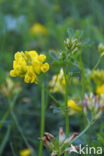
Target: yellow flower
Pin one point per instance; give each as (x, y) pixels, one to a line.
(25, 152)
(38, 29)
(73, 107)
(37, 66)
(28, 65)
(98, 76)
(100, 89)
(30, 77)
(57, 84)
(42, 57)
(45, 67)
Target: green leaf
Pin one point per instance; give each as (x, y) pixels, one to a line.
(57, 143)
(4, 142)
(56, 63)
(101, 139)
(3, 119)
(12, 149)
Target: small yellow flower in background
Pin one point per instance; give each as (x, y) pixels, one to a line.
(57, 84)
(57, 8)
(25, 152)
(74, 108)
(98, 77)
(100, 89)
(28, 65)
(38, 29)
(9, 88)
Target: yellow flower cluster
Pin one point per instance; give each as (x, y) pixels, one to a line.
(28, 65)
(98, 76)
(25, 152)
(38, 29)
(100, 89)
(57, 84)
(74, 108)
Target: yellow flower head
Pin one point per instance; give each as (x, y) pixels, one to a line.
(28, 65)
(57, 84)
(100, 89)
(25, 152)
(73, 107)
(98, 76)
(38, 29)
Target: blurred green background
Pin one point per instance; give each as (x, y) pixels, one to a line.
(17, 17)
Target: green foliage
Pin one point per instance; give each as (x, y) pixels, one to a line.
(20, 113)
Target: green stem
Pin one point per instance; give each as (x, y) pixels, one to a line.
(58, 154)
(66, 100)
(66, 112)
(96, 65)
(12, 149)
(8, 111)
(19, 128)
(52, 97)
(5, 140)
(4, 118)
(86, 128)
(11, 106)
(82, 76)
(42, 119)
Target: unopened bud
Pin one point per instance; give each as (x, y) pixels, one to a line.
(70, 138)
(101, 48)
(45, 141)
(49, 136)
(61, 135)
(102, 54)
(54, 153)
(68, 43)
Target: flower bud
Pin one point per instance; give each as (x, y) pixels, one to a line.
(101, 47)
